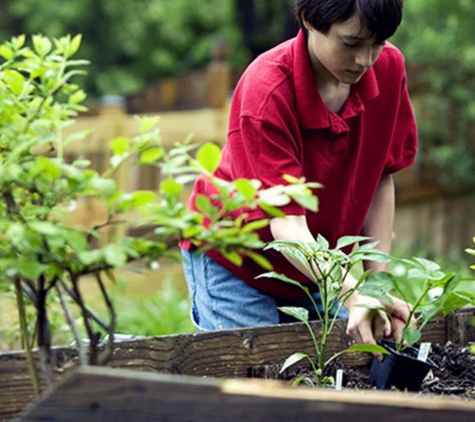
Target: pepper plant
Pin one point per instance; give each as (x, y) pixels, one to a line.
(328, 268)
(44, 254)
(432, 292)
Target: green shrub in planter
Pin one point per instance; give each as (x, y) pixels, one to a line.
(43, 255)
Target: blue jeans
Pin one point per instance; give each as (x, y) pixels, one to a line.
(220, 300)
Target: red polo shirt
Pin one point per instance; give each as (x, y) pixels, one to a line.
(280, 125)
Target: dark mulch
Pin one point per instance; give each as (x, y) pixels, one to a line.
(454, 375)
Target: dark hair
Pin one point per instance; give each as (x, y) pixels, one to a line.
(381, 17)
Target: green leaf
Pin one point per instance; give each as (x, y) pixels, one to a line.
(143, 197)
(366, 348)
(378, 286)
(45, 228)
(271, 211)
(307, 201)
(255, 225)
(42, 45)
(208, 156)
(233, 257)
(77, 97)
(245, 188)
(115, 255)
(147, 123)
(298, 313)
(171, 187)
(104, 187)
(77, 240)
(74, 46)
(14, 80)
(293, 359)
(6, 52)
(283, 278)
(29, 268)
(259, 260)
(89, 257)
(204, 204)
(411, 336)
(120, 145)
(345, 241)
(151, 155)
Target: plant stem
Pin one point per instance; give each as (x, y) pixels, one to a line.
(24, 334)
(44, 332)
(111, 329)
(70, 319)
(93, 337)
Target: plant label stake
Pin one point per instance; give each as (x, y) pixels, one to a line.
(339, 380)
(424, 352)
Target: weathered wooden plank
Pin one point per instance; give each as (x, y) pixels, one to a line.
(99, 394)
(235, 353)
(461, 327)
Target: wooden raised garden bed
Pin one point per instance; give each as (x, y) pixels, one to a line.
(115, 394)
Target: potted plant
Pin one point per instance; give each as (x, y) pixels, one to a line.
(435, 292)
(43, 254)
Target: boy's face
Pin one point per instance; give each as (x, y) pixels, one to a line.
(345, 53)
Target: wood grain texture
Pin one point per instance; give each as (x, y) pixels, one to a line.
(238, 353)
(100, 394)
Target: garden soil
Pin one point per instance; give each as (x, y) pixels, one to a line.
(454, 375)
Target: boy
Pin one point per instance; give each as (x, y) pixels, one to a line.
(330, 105)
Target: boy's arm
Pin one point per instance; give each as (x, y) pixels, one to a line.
(379, 225)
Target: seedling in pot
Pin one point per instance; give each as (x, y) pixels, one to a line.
(328, 269)
(431, 292)
(424, 285)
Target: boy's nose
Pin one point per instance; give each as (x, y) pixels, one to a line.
(364, 58)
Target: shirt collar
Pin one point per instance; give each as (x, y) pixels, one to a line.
(312, 111)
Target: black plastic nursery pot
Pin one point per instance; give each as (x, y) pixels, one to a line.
(399, 369)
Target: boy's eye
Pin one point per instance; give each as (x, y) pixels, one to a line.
(350, 45)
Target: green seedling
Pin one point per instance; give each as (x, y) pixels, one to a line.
(421, 283)
(328, 269)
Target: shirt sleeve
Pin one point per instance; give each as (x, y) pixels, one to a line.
(404, 144)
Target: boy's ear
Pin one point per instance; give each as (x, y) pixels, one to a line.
(306, 24)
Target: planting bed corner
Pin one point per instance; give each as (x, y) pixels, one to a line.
(209, 390)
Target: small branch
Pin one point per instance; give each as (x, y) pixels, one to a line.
(12, 208)
(88, 311)
(44, 332)
(24, 334)
(93, 337)
(70, 319)
(112, 315)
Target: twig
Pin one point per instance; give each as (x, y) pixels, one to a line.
(88, 311)
(111, 329)
(93, 337)
(44, 332)
(24, 333)
(71, 323)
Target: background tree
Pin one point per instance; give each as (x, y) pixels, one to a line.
(135, 43)
(437, 39)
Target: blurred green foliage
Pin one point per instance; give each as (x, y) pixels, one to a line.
(134, 43)
(130, 43)
(436, 37)
(165, 311)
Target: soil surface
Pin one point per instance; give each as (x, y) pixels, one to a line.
(454, 375)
